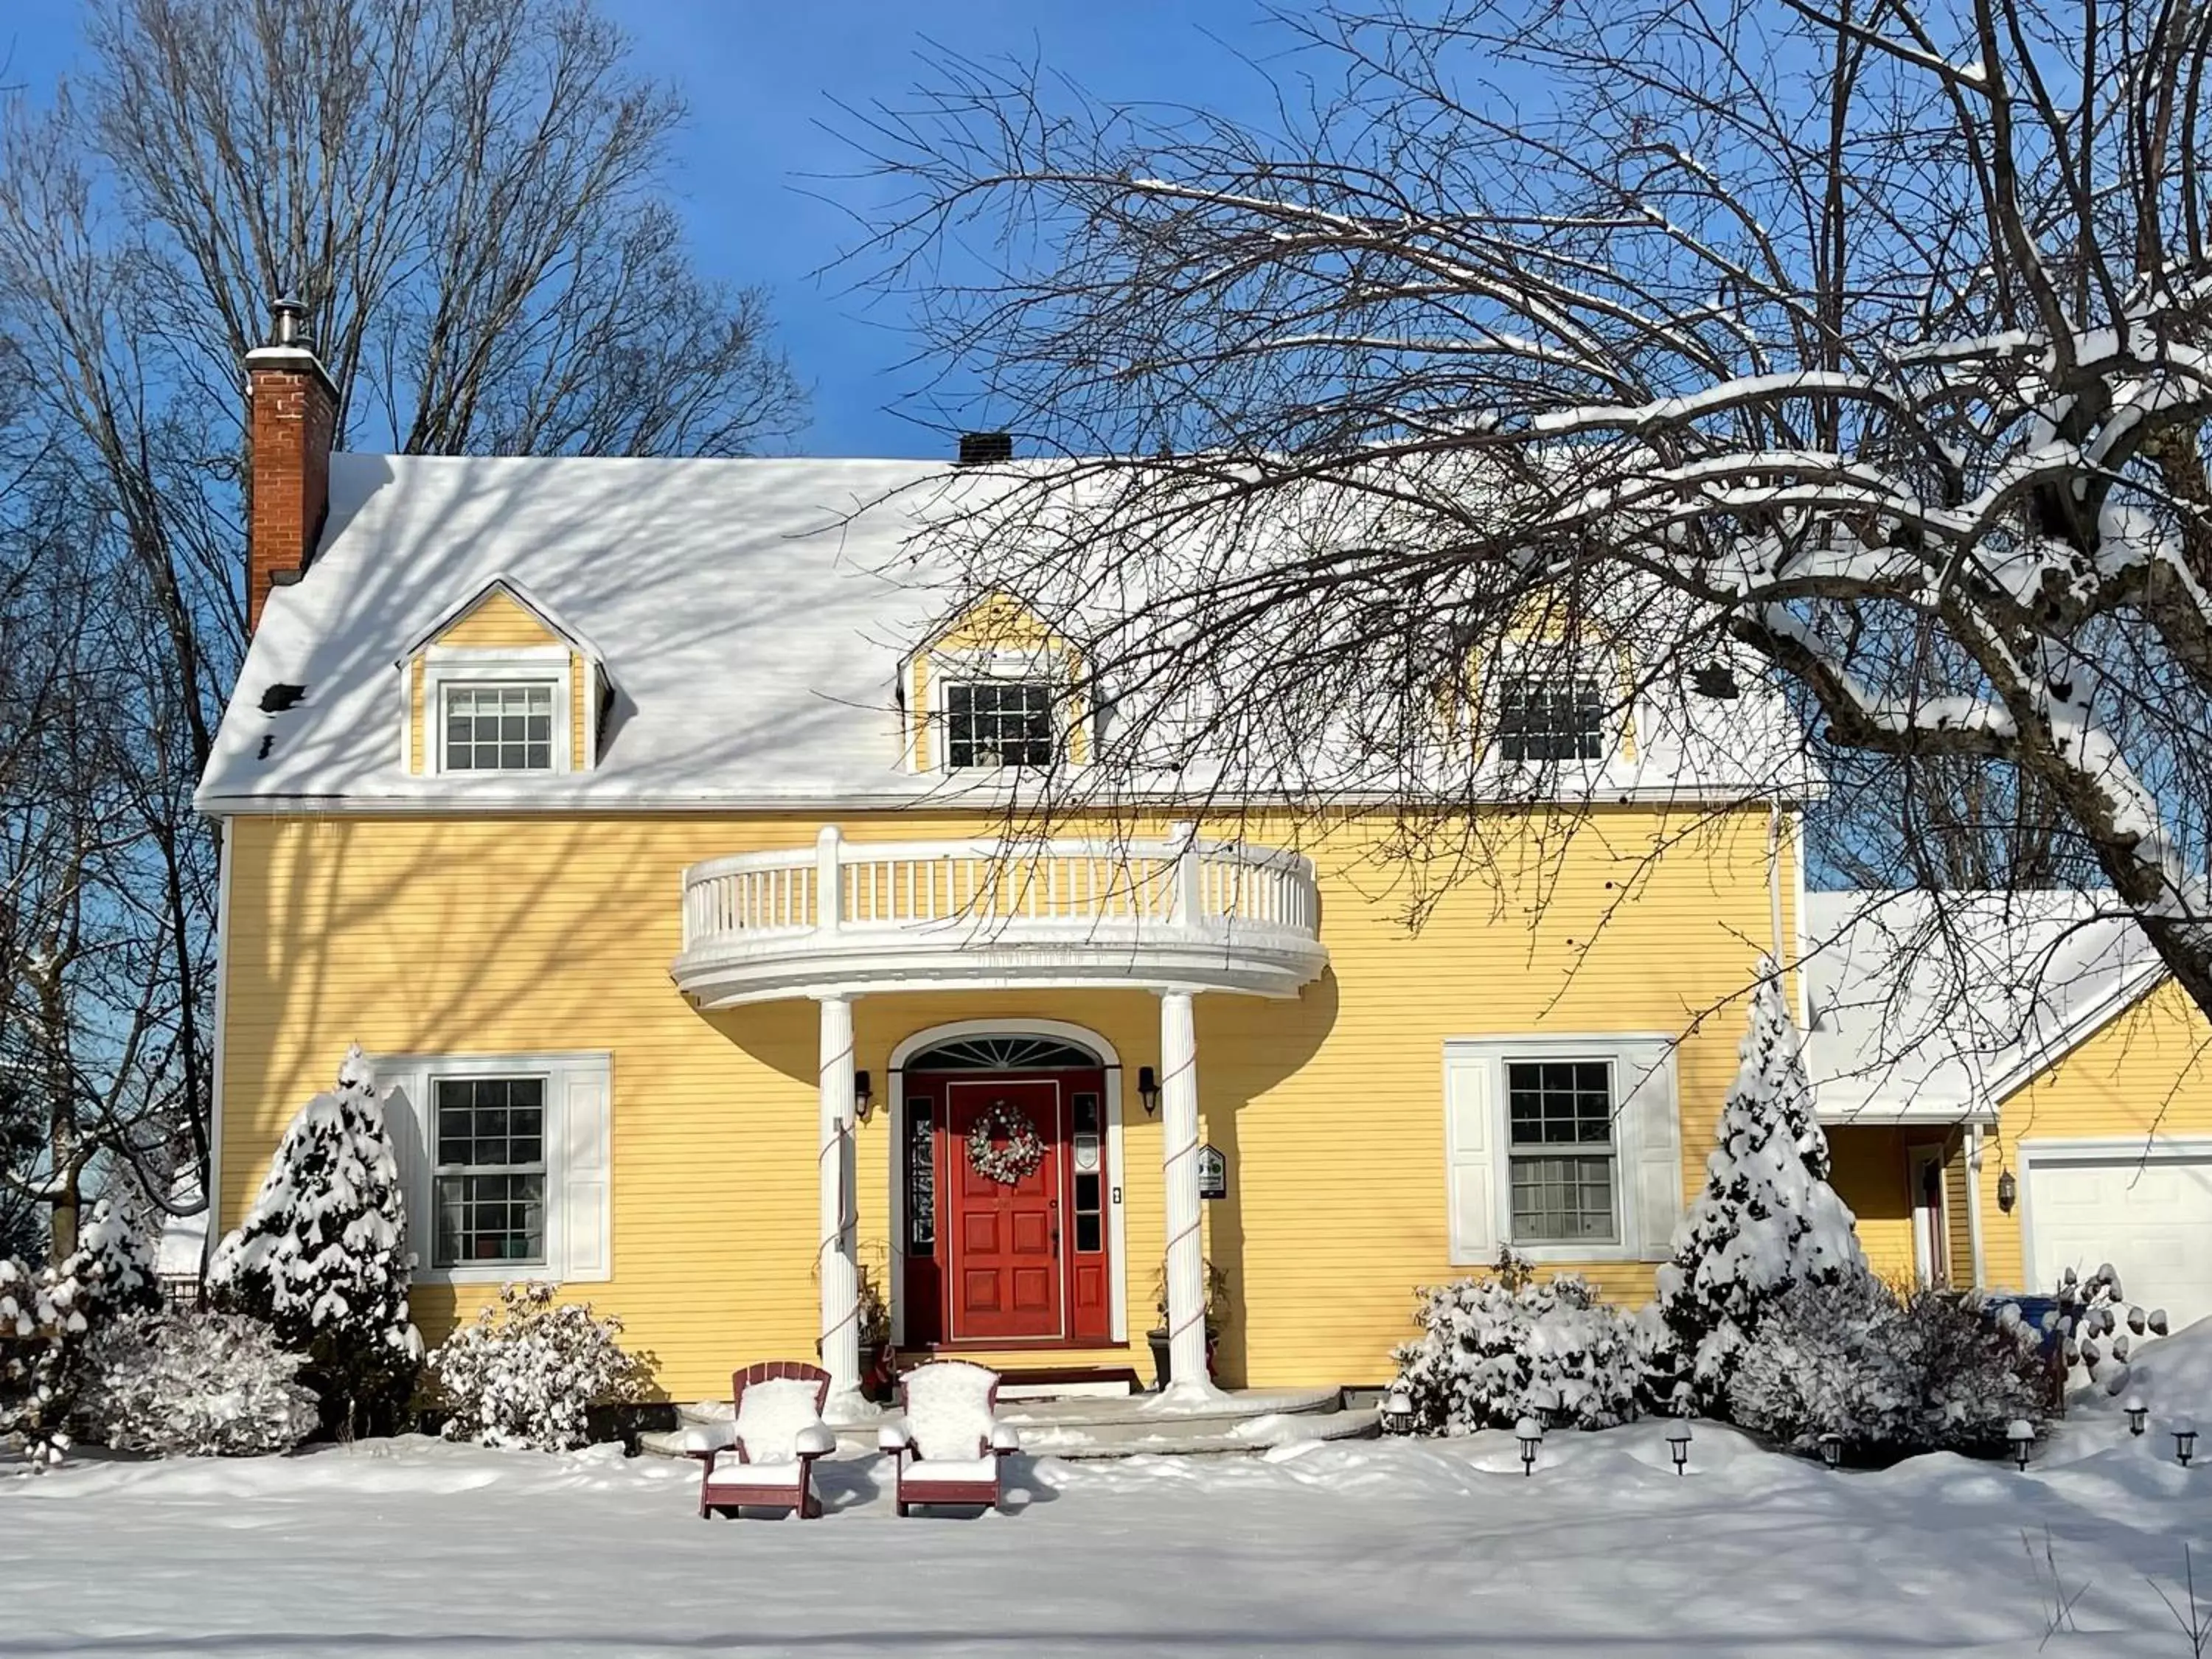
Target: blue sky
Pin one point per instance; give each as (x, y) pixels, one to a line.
(760, 79)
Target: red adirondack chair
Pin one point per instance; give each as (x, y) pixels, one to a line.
(947, 1441)
(777, 1433)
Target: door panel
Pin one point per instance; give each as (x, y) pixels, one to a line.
(1006, 1238)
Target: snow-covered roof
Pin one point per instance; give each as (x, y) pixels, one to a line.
(752, 616)
(1933, 1007)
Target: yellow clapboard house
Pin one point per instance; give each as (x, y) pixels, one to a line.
(654, 837)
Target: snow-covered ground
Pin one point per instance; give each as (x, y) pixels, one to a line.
(415, 1547)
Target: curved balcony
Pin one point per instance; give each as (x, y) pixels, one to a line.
(858, 917)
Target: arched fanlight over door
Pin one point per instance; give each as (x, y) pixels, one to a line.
(1005, 1054)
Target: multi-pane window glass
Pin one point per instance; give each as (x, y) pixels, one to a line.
(499, 728)
(1550, 718)
(1559, 1122)
(920, 1176)
(1090, 1180)
(998, 723)
(491, 1171)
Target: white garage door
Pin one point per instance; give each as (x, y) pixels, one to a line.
(2151, 1217)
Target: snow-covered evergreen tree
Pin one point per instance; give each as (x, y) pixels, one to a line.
(110, 1271)
(322, 1256)
(1767, 1221)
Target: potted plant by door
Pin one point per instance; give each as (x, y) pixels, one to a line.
(876, 1366)
(1217, 1315)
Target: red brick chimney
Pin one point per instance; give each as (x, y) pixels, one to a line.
(293, 408)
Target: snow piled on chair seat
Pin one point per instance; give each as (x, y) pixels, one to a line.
(770, 1416)
(780, 1476)
(950, 1471)
(948, 1408)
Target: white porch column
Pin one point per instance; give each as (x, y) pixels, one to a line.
(1186, 1256)
(840, 1297)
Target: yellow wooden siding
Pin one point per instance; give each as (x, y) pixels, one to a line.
(488, 936)
(1957, 1213)
(2148, 1071)
(418, 722)
(497, 620)
(1870, 1175)
(580, 692)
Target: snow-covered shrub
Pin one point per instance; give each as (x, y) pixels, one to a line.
(1767, 1221)
(1891, 1374)
(1494, 1350)
(193, 1385)
(48, 1318)
(527, 1372)
(322, 1257)
(2095, 1328)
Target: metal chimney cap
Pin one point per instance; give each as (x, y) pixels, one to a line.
(288, 320)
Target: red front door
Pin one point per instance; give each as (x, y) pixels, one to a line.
(1004, 1273)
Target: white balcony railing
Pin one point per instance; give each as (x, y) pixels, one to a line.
(858, 916)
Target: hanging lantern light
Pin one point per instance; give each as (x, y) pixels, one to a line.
(1831, 1449)
(1397, 1411)
(2184, 1440)
(2007, 1191)
(1677, 1445)
(2137, 1412)
(1531, 1435)
(2022, 1433)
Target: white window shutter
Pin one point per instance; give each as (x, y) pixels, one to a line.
(586, 1249)
(1470, 1134)
(1653, 1146)
(406, 1122)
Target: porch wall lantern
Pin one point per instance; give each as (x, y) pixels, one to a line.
(1530, 1433)
(863, 1094)
(2007, 1191)
(1148, 1090)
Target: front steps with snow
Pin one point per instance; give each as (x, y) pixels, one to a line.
(1088, 1424)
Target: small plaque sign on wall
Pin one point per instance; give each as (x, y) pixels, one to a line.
(1212, 1174)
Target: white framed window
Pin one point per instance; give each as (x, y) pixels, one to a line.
(488, 1184)
(1547, 718)
(490, 727)
(1567, 1148)
(506, 1164)
(499, 712)
(999, 722)
(1560, 1151)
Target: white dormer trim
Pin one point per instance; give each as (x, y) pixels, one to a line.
(571, 637)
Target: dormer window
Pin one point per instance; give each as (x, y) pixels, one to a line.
(1544, 718)
(498, 727)
(998, 723)
(500, 686)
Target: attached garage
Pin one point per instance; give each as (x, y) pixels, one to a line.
(2146, 1207)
